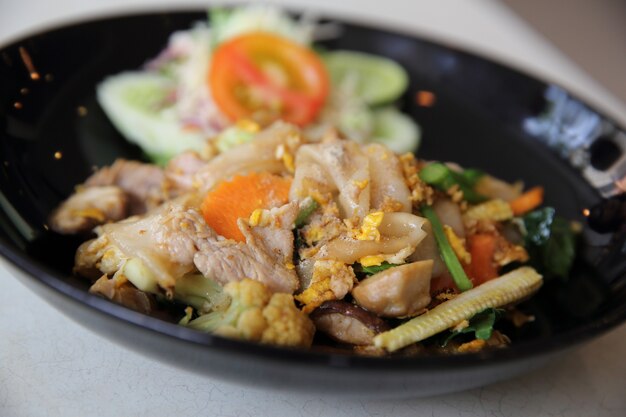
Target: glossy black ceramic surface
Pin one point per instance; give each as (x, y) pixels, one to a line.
(52, 134)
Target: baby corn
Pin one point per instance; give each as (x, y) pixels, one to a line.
(498, 292)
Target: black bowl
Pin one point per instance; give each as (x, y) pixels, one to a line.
(485, 115)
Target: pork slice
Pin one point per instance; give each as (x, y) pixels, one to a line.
(88, 208)
(123, 293)
(227, 261)
(143, 183)
(276, 234)
(267, 255)
(181, 170)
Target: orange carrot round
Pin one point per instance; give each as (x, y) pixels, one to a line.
(239, 197)
(528, 201)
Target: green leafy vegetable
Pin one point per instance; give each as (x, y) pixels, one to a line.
(550, 242)
(306, 212)
(374, 269)
(443, 178)
(447, 253)
(481, 324)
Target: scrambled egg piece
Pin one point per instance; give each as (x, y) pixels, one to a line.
(369, 227)
(283, 154)
(260, 217)
(372, 260)
(331, 280)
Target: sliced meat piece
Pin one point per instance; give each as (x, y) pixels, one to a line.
(347, 323)
(400, 291)
(267, 255)
(124, 293)
(143, 183)
(274, 233)
(180, 172)
(174, 240)
(226, 261)
(88, 208)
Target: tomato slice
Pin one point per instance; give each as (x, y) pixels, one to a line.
(265, 77)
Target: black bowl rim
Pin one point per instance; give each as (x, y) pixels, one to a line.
(40, 274)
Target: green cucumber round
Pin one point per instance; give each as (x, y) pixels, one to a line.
(395, 130)
(136, 104)
(378, 80)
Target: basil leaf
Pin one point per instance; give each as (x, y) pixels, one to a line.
(481, 325)
(374, 269)
(550, 242)
(560, 250)
(538, 226)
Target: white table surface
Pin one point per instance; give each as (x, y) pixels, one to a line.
(50, 366)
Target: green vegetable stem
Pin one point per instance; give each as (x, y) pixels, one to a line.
(306, 212)
(447, 253)
(443, 178)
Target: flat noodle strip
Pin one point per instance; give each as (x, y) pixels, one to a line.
(399, 232)
(339, 167)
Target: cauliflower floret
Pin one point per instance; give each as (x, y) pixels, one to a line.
(286, 325)
(257, 315)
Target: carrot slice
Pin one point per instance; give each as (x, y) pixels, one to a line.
(239, 197)
(528, 201)
(482, 247)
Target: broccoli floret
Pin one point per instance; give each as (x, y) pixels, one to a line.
(255, 314)
(200, 292)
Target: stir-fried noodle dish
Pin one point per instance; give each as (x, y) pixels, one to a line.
(284, 202)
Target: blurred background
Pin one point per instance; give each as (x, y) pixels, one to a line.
(591, 33)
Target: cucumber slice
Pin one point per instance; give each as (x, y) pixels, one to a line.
(136, 103)
(395, 130)
(378, 80)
